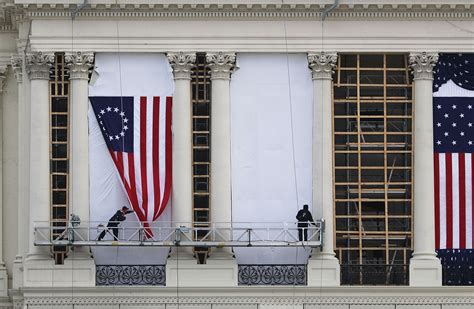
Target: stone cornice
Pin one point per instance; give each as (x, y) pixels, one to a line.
(423, 64)
(322, 64)
(221, 64)
(79, 64)
(182, 63)
(39, 64)
(368, 10)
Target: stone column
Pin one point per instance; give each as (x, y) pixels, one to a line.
(323, 266)
(425, 267)
(22, 233)
(38, 67)
(222, 65)
(3, 270)
(79, 65)
(182, 187)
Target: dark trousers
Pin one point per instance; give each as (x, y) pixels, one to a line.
(303, 232)
(110, 226)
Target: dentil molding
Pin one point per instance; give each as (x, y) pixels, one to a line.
(423, 64)
(460, 9)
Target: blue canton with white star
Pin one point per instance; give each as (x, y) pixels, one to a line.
(453, 119)
(115, 118)
(456, 67)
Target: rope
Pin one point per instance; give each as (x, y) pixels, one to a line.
(293, 152)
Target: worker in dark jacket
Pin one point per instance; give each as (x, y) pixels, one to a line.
(304, 217)
(114, 221)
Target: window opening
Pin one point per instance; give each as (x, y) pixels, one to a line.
(372, 121)
(201, 117)
(59, 152)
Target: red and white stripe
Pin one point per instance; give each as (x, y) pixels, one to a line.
(454, 211)
(146, 173)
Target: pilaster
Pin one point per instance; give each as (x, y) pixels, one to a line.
(323, 266)
(17, 67)
(3, 270)
(425, 267)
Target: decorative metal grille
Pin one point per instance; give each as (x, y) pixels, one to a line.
(458, 266)
(272, 275)
(394, 274)
(130, 275)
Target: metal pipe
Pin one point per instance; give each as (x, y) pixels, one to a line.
(330, 9)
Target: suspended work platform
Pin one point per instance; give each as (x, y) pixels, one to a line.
(171, 234)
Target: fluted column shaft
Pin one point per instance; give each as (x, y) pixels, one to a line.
(182, 188)
(221, 65)
(38, 66)
(424, 255)
(79, 65)
(322, 66)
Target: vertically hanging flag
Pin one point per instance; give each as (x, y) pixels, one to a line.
(135, 122)
(137, 131)
(453, 117)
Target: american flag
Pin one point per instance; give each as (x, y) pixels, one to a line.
(137, 131)
(453, 116)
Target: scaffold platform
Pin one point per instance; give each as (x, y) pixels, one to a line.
(171, 234)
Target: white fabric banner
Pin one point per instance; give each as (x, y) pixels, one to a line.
(122, 75)
(271, 136)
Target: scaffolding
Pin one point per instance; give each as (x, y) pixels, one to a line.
(373, 165)
(170, 234)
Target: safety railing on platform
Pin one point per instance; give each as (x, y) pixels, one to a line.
(170, 234)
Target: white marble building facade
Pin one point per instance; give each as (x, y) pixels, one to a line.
(31, 31)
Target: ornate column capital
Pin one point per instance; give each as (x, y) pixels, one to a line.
(182, 63)
(38, 64)
(79, 64)
(221, 64)
(322, 64)
(423, 64)
(17, 66)
(3, 76)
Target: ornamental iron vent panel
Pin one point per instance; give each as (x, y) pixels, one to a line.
(130, 275)
(458, 266)
(394, 274)
(272, 275)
